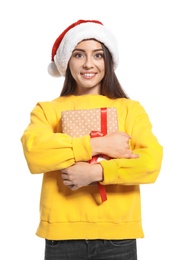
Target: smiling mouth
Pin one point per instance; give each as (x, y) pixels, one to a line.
(88, 75)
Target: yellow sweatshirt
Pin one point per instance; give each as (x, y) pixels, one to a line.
(66, 214)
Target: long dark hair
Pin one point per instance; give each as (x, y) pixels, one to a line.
(110, 85)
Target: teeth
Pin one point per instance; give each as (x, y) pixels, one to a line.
(89, 74)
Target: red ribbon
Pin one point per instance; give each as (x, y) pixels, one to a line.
(103, 117)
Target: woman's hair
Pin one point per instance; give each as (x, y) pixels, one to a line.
(110, 85)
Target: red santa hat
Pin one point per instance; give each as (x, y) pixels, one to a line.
(71, 36)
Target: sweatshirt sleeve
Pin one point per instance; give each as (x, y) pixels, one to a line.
(144, 169)
(46, 148)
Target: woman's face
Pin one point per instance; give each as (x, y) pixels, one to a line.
(87, 67)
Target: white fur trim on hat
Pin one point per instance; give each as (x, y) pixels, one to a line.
(75, 35)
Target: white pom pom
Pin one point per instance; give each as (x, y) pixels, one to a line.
(52, 70)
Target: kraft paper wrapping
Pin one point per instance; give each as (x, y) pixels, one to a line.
(77, 123)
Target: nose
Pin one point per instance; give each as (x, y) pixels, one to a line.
(88, 62)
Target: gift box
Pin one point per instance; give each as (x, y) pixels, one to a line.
(95, 122)
(77, 123)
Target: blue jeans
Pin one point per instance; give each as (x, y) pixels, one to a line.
(91, 249)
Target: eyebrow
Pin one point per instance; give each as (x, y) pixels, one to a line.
(84, 50)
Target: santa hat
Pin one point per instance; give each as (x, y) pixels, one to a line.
(71, 36)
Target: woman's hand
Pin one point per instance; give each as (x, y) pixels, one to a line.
(81, 174)
(114, 145)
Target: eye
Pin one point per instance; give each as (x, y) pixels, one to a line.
(78, 55)
(99, 55)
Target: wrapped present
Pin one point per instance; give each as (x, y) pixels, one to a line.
(77, 123)
(96, 122)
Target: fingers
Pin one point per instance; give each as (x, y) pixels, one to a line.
(67, 181)
(124, 134)
(70, 185)
(131, 156)
(73, 187)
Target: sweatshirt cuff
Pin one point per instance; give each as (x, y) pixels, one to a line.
(110, 171)
(81, 148)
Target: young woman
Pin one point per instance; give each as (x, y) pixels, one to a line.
(74, 221)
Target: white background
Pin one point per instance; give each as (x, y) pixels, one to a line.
(28, 30)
